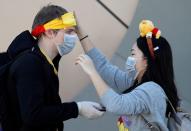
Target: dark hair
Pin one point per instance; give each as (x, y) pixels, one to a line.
(159, 69)
(48, 13)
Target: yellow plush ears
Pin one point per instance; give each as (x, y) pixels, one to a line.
(147, 28)
(66, 20)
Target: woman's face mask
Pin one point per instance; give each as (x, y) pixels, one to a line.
(130, 67)
(68, 44)
(136, 62)
(130, 64)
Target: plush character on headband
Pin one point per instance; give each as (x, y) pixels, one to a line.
(147, 27)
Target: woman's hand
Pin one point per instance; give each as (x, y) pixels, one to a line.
(86, 63)
(86, 43)
(79, 29)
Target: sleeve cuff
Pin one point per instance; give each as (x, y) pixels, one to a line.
(76, 112)
(71, 110)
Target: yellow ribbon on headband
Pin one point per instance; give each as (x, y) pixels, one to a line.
(66, 20)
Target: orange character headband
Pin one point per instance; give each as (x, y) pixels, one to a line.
(148, 30)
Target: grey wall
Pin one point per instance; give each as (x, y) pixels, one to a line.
(173, 18)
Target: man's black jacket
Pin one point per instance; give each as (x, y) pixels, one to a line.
(33, 91)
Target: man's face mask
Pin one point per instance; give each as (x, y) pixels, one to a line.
(68, 44)
(130, 64)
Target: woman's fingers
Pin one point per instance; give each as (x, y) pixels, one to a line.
(83, 66)
(86, 63)
(84, 60)
(76, 19)
(75, 16)
(80, 59)
(77, 62)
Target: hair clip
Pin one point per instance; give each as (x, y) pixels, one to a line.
(156, 48)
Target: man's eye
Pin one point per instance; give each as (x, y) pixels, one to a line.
(70, 31)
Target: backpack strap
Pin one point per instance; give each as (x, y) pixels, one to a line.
(174, 113)
(151, 125)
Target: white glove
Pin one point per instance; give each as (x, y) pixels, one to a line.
(90, 110)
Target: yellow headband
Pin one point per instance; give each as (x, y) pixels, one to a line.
(66, 20)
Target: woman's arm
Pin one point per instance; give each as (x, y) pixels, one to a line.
(131, 103)
(112, 75)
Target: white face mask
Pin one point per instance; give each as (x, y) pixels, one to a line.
(130, 64)
(68, 44)
(130, 67)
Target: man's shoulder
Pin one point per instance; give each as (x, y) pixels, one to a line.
(28, 60)
(28, 57)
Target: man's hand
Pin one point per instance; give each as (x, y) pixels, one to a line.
(90, 110)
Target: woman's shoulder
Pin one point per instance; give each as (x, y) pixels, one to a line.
(151, 85)
(153, 95)
(152, 89)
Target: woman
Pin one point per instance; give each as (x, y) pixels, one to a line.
(144, 87)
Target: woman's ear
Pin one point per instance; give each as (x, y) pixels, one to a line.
(145, 61)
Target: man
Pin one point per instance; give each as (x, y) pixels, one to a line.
(33, 99)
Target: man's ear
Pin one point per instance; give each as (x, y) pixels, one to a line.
(49, 33)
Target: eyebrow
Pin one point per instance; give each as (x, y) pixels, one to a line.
(70, 29)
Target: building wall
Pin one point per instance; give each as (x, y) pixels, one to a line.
(173, 18)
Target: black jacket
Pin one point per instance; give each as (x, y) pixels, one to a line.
(4, 58)
(33, 91)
